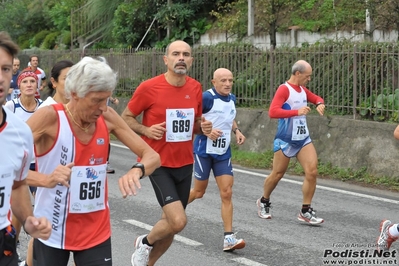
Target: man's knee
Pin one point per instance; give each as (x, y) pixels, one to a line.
(226, 193)
(198, 193)
(178, 223)
(275, 176)
(311, 174)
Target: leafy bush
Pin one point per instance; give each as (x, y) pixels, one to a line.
(39, 38)
(377, 107)
(66, 38)
(50, 41)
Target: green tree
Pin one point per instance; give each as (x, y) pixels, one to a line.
(35, 19)
(101, 13)
(330, 15)
(231, 18)
(130, 23)
(385, 14)
(269, 15)
(60, 12)
(272, 13)
(13, 19)
(123, 23)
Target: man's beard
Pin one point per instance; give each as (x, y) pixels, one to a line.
(180, 71)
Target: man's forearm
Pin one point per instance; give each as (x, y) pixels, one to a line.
(36, 179)
(43, 84)
(197, 126)
(135, 125)
(21, 204)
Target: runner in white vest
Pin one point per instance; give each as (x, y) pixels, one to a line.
(212, 151)
(290, 107)
(17, 151)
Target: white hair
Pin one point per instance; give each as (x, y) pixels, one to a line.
(89, 75)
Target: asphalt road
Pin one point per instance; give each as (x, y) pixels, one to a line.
(348, 236)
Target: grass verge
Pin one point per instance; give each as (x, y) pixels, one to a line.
(326, 170)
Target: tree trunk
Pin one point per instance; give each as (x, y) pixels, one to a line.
(169, 28)
(272, 34)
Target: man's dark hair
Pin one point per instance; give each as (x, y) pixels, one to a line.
(8, 45)
(33, 55)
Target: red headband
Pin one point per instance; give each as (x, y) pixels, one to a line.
(25, 75)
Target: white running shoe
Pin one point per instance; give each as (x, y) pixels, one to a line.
(141, 254)
(231, 243)
(385, 239)
(263, 210)
(309, 217)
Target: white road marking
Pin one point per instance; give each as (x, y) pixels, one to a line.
(119, 146)
(324, 188)
(148, 227)
(300, 183)
(248, 262)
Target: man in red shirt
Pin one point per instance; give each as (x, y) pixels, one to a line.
(171, 104)
(33, 66)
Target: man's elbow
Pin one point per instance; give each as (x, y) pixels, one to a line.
(272, 114)
(153, 157)
(125, 115)
(157, 159)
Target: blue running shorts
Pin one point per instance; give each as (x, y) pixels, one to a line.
(290, 150)
(203, 166)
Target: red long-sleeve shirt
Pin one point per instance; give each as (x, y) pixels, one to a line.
(281, 96)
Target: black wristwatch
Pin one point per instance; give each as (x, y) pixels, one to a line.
(141, 166)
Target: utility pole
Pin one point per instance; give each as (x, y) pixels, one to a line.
(368, 23)
(251, 18)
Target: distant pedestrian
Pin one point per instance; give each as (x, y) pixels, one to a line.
(34, 67)
(13, 92)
